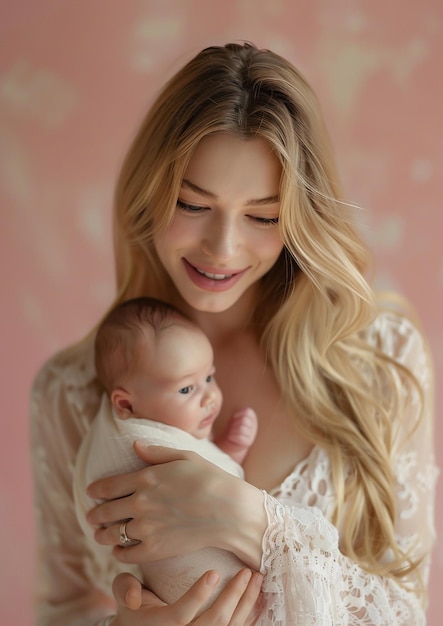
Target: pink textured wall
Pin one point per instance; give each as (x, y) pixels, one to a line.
(75, 77)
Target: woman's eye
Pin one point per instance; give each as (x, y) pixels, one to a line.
(185, 390)
(191, 208)
(266, 221)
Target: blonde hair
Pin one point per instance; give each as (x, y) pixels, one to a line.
(315, 302)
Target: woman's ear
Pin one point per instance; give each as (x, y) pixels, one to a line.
(122, 403)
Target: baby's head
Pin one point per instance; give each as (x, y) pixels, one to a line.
(154, 363)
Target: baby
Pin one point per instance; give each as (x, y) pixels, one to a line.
(157, 370)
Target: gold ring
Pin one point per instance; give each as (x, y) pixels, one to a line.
(124, 539)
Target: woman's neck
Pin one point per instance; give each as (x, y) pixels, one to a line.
(226, 324)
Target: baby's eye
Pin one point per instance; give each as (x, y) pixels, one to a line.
(190, 208)
(185, 390)
(209, 378)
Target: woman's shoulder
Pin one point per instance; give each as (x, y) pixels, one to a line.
(67, 381)
(399, 335)
(72, 366)
(393, 324)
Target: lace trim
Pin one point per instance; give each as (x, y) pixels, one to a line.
(310, 583)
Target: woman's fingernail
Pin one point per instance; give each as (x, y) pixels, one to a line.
(247, 575)
(212, 579)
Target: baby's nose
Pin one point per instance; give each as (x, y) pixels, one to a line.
(208, 398)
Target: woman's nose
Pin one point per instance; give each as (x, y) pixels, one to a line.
(222, 239)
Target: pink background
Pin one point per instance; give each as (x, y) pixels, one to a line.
(75, 78)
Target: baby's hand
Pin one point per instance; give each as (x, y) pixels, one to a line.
(239, 434)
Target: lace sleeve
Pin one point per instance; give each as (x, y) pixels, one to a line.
(308, 581)
(62, 398)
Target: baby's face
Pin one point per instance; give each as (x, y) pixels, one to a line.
(175, 383)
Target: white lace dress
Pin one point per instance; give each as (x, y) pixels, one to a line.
(308, 581)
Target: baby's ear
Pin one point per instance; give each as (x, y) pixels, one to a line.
(122, 403)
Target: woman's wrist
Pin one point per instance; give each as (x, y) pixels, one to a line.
(247, 523)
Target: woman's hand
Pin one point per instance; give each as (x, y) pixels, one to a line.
(238, 604)
(178, 505)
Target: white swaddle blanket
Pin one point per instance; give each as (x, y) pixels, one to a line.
(107, 449)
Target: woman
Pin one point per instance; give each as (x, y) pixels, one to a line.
(228, 206)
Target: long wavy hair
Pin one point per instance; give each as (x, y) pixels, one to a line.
(316, 303)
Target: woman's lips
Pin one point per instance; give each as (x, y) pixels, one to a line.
(212, 281)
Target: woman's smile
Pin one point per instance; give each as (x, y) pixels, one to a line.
(216, 280)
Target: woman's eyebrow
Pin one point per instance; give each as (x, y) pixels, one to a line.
(209, 194)
(193, 187)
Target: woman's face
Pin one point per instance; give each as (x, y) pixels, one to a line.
(224, 235)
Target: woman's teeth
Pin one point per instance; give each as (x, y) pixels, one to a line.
(214, 276)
